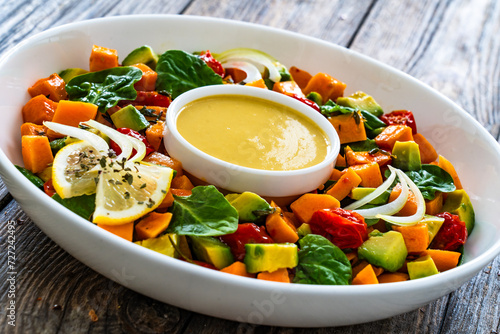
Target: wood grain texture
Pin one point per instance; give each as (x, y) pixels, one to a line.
(451, 45)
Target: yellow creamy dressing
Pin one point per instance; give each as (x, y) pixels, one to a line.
(252, 132)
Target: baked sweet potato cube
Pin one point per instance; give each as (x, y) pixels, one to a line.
(31, 129)
(148, 79)
(349, 127)
(36, 153)
(361, 158)
(280, 228)
(327, 86)
(39, 109)
(301, 77)
(164, 160)
(365, 276)
(181, 182)
(416, 237)
(280, 275)
(447, 166)
(344, 185)
(391, 134)
(125, 231)
(288, 88)
(411, 203)
(427, 152)
(434, 206)
(152, 225)
(259, 83)
(443, 259)
(52, 87)
(102, 58)
(154, 134)
(72, 113)
(389, 277)
(237, 268)
(370, 174)
(307, 204)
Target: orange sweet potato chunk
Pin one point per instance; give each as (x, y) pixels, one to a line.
(102, 58)
(148, 79)
(39, 109)
(36, 153)
(391, 134)
(307, 204)
(349, 180)
(52, 87)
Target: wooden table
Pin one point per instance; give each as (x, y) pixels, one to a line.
(454, 46)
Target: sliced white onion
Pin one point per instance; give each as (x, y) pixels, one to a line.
(251, 70)
(417, 216)
(392, 207)
(255, 57)
(123, 141)
(94, 140)
(374, 194)
(140, 149)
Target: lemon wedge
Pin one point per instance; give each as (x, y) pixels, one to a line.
(75, 170)
(129, 190)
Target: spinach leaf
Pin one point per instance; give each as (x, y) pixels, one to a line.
(372, 122)
(331, 108)
(204, 213)
(321, 262)
(84, 205)
(360, 146)
(431, 178)
(179, 71)
(105, 88)
(30, 176)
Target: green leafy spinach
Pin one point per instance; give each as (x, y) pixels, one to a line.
(431, 178)
(105, 88)
(321, 262)
(204, 213)
(179, 71)
(83, 205)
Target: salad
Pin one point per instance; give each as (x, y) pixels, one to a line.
(393, 209)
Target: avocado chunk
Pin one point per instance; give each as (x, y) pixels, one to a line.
(422, 267)
(304, 230)
(144, 55)
(433, 225)
(250, 206)
(70, 73)
(161, 244)
(315, 97)
(360, 192)
(406, 155)
(270, 257)
(386, 250)
(212, 250)
(130, 117)
(362, 101)
(458, 203)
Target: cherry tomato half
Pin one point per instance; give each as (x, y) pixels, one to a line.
(213, 63)
(403, 117)
(344, 228)
(247, 233)
(451, 235)
(310, 103)
(48, 188)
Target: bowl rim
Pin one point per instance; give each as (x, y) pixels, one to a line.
(469, 268)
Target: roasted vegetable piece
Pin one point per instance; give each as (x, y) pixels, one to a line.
(280, 275)
(102, 58)
(148, 80)
(391, 134)
(349, 180)
(245, 234)
(51, 87)
(326, 85)
(237, 268)
(427, 152)
(125, 231)
(365, 276)
(39, 109)
(401, 117)
(344, 228)
(305, 206)
(36, 153)
(451, 235)
(213, 63)
(134, 134)
(349, 127)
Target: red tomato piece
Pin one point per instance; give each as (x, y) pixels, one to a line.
(150, 99)
(451, 235)
(402, 117)
(134, 134)
(344, 228)
(213, 63)
(247, 233)
(310, 103)
(48, 188)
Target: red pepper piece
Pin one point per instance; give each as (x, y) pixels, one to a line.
(344, 228)
(48, 188)
(152, 99)
(403, 117)
(310, 103)
(451, 235)
(247, 233)
(134, 134)
(213, 63)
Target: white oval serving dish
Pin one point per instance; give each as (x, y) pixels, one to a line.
(454, 133)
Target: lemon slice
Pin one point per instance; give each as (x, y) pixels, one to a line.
(75, 170)
(127, 191)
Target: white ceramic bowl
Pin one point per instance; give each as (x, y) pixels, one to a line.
(237, 178)
(456, 135)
